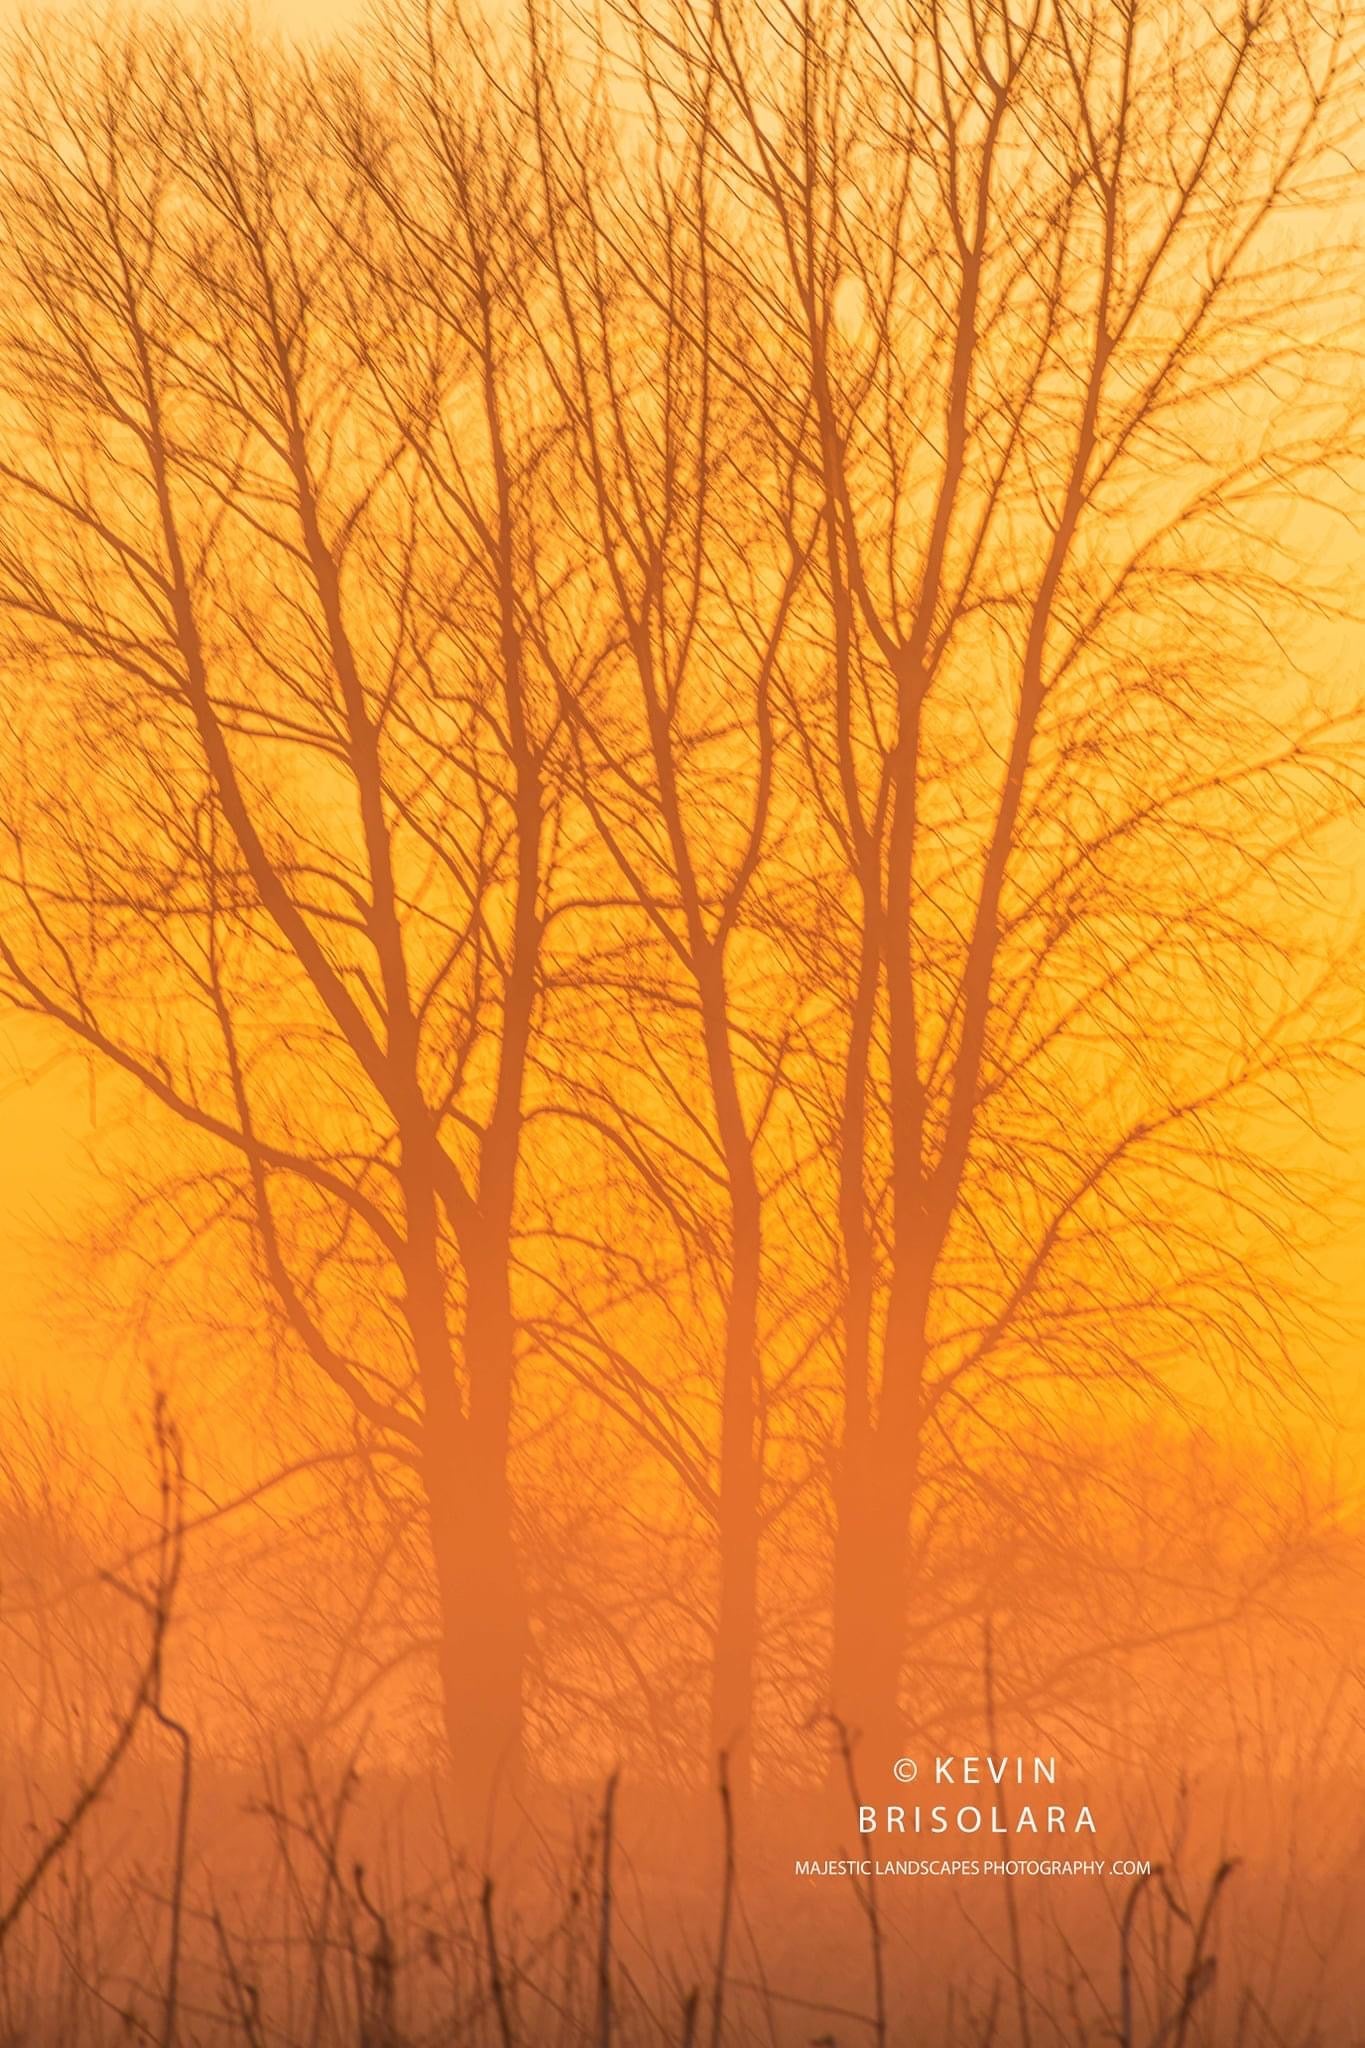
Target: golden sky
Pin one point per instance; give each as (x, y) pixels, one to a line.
(52, 1190)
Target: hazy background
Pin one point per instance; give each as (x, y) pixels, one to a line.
(717, 1572)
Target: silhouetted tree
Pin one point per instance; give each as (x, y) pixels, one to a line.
(1032, 285)
(654, 703)
(281, 832)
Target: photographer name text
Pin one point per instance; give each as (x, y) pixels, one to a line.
(1035, 1814)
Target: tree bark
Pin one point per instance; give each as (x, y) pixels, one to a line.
(736, 1639)
(736, 1642)
(872, 1593)
(483, 1609)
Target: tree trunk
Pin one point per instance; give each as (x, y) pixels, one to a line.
(482, 1605)
(871, 1592)
(485, 1626)
(736, 1642)
(483, 1640)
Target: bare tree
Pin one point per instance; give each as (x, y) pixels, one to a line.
(1030, 276)
(699, 543)
(656, 711)
(280, 839)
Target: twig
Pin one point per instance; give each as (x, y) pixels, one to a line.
(1125, 1956)
(1011, 1903)
(866, 1896)
(727, 1894)
(495, 1978)
(604, 1928)
(157, 1606)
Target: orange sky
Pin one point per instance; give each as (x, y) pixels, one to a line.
(51, 1188)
